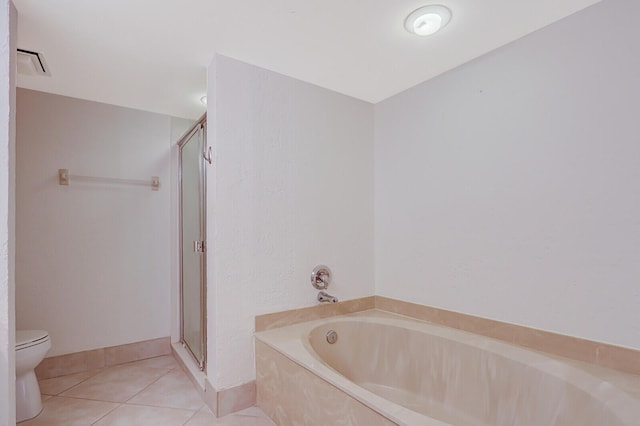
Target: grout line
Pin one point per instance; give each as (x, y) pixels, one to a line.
(127, 402)
(146, 387)
(166, 371)
(138, 404)
(107, 413)
(81, 381)
(192, 416)
(86, 399)
(128, 363)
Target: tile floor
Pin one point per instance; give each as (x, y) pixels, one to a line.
(150, 392)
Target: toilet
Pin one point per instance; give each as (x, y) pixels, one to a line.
(31, 347)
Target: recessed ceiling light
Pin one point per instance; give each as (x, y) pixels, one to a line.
(32, 63)
(427, 20)
(204, 100)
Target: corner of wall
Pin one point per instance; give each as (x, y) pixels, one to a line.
(8, 34)
(211, 225)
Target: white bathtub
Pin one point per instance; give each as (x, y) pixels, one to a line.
(388, 369)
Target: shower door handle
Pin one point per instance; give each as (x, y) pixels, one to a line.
(208, 156)
(198, 246)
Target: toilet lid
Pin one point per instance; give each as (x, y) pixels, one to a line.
(26, 338)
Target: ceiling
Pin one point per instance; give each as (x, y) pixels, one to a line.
(153, 55)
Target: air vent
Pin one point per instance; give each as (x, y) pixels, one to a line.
(32, 63)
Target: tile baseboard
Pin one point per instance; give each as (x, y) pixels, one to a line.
(223, 402)
(231, 400)
(236, 398)
(79, 362)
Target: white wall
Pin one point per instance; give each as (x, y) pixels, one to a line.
(8, 31)
(509, 188)
(93, 259)
(290, 188)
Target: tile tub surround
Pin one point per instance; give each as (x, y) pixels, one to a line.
(616, 357)
(602, 354)
(79, 362)
(291, 395)
(325, 310)
(467, 378)
(154, 391)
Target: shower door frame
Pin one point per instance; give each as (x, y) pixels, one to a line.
(200, 125)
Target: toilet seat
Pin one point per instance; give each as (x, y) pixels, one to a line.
(28, 338)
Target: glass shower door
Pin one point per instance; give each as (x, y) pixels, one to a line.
(192, 215)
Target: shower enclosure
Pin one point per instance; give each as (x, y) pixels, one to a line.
(192, 189)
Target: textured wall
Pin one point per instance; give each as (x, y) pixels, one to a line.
(8, 30)
(509, 188)
(93, 259)
(291, 187)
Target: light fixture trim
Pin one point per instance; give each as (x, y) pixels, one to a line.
(32, 63)
(428, 20)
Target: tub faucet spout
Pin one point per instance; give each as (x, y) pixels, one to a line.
(323, 297)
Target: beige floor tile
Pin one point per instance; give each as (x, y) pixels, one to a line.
(166, 362)
(173, 390)
(60, 411)
(252, 412)
(116, 384)
(204, 417)
(134, 415)
(60, 384)
(252, 416)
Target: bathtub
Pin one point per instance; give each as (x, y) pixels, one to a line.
(387, 369)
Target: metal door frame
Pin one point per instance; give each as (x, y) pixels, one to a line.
(201, 124)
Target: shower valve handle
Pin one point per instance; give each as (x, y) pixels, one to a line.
(321, 277)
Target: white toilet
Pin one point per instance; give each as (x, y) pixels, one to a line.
(31, 347)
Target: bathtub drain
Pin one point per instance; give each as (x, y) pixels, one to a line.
(332, 337)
